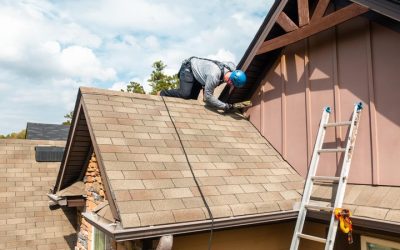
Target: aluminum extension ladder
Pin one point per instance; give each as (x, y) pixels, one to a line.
(342, 180)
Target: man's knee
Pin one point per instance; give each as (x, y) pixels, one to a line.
(175, 93)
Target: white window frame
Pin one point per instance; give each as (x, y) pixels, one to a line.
(106, 238)
(385, 243)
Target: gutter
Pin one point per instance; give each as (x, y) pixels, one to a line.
(120, 234)
(116, 231)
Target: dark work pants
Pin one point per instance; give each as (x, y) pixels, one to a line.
(189, 88)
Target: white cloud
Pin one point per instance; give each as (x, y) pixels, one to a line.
(223, 55)
(50, 48)
(118, 86)
(152, 42)
(4, 87)
(82, 62)
(126, 15)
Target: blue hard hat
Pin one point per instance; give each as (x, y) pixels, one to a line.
(238, 78)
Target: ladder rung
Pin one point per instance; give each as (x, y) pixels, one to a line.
(335, 124)
(325, 178)
(310, 237)
(331, 150)
(329, 209)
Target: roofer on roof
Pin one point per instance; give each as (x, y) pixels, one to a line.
(198, 73)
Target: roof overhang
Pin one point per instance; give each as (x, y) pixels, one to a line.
(267, 44)
(66, 201)
(120, 234)
(361, 222)
(72, 196)
(389, 8)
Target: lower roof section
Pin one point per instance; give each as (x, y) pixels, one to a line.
(24, 207)
(380, 203)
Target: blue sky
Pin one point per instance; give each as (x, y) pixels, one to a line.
(50, 48)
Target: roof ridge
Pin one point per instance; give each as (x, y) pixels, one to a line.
(92, 90)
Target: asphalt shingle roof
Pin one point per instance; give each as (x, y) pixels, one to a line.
(26, 221)
(237, 169)
(42, 131)
(375, 202)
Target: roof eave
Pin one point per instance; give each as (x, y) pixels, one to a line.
(362, 222)
(383, 7)
(257, 41)
(121, 234)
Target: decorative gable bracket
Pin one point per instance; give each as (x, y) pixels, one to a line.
(308, 27)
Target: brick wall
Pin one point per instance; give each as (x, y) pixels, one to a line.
(95, 195)
(26, 221)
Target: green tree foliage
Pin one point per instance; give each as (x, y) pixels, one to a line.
(159, 80)
(134, 87)
(15, 135)
(68, 116)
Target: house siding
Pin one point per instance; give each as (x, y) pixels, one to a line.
(275, 236)
(355, 61)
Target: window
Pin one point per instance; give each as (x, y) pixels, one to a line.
(369, 243)
(100, 240)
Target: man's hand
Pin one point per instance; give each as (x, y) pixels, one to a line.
(228, 107)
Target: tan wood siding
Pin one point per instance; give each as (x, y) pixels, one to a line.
(275, 236)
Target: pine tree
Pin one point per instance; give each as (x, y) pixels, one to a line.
(134, 87)
(68, 116)
(159, 80)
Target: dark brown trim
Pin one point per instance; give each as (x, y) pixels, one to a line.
(68, 146)
(68, 201)
(270, 22)
(76, 202)
(315, 27)
(85, 166)
(387, 8)
(104, 178)
(120, 234)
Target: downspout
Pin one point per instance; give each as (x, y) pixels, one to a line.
(165, 242)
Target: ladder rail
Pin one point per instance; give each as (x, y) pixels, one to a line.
(341, 189)
(341, 180)
(309, 184)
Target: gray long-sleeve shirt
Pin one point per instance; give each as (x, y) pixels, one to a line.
(208, 74)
